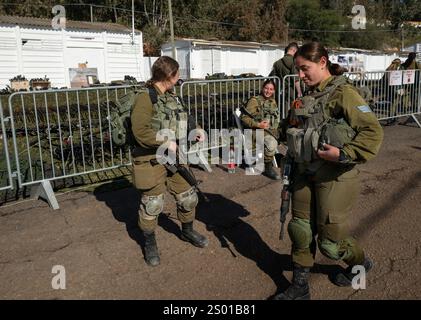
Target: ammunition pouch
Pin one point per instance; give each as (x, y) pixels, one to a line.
(295, 142)
(302, 144)
(168, 113)
(336, 132)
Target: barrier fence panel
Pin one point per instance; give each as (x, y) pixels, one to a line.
(212, 102)
(57, 134)
(289, 92)
(392, 94)
(6, 181)
(64, 133)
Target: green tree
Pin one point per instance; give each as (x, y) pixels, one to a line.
(313, 22)
(31, 8)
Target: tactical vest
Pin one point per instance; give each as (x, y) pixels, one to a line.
(267, 109)
(169, 113)
(313, 125)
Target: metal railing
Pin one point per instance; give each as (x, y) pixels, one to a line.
(213, 102)
(6, 181)
(64, 133)
(391, 94)
(58, 134)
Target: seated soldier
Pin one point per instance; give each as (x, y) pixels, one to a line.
(262, 112)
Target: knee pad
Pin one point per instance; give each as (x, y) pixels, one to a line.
(329, 249)
(299, 231)
(151, 206)
(187, 201)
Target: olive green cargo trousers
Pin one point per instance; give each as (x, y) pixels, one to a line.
(153, 180)
(321, 206)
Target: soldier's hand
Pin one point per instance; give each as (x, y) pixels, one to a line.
(200, 135)
(264, 124)
(172, 147)
(330, 153)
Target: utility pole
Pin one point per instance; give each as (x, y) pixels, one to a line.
(402, 37)
(132, 22)
(172, 29)
(92, 15)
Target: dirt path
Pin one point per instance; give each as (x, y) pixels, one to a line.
(95, 237)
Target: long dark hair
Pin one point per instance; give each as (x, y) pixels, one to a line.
(268, 81)
(314, 51)
(291, 45)
(411, 58)
(163, 69)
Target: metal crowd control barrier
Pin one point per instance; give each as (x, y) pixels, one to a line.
(6, 181)
(289, 92)
(67, 133)
(62, 134)
(213, 102)
(393, 94)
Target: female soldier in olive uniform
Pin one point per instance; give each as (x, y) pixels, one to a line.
(325, 180)
(155, 110)
(262, 113)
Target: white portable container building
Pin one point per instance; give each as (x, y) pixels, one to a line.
(32, 48)
(198, 58)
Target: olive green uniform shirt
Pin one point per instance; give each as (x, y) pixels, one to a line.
(141, 118)
(413, 66)
(253, 107)
(345, 102)
(284, 67)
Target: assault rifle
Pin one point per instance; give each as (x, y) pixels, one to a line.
(286, 193)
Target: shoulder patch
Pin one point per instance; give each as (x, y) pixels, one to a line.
(365, 109)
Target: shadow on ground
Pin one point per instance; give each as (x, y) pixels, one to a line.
(221, 216)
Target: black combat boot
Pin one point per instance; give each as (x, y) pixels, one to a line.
(188, 234)
(299, 289)
(344, 279)
(151, 249)
(270, 171)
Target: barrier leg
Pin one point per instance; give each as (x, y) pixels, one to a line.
(416, 120)
(45, 191)
(203, 161)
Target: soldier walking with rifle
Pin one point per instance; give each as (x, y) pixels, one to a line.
(159, 110)
(331, 130)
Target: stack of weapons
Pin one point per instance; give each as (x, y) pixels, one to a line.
(81, 131)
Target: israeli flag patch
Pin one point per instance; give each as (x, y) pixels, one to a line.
(364, 109)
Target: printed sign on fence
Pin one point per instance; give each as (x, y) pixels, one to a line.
(409, 77)
(395, 78)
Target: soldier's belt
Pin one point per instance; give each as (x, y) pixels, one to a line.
(139, 152)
